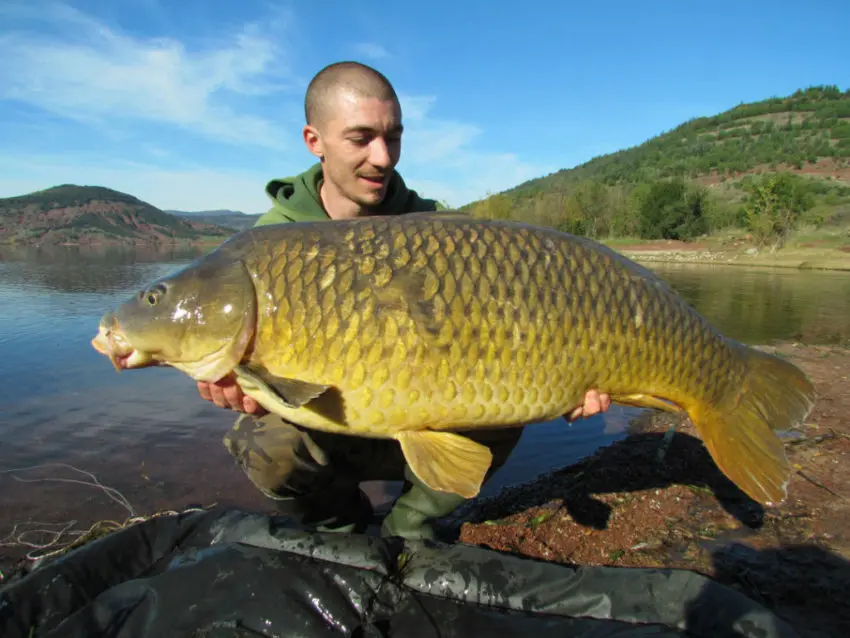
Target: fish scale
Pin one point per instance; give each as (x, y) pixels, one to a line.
(508, 351)
(423, 326)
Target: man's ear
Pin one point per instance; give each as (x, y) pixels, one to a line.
(313, 140)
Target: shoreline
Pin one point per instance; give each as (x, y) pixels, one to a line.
(115, 244)
(825, 257)
(720, 259)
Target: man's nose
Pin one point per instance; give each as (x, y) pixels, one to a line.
(379, 154)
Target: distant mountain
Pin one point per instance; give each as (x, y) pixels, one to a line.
(71, 214)
(208, 213)
(230, 218)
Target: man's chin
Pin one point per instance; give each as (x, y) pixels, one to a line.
(372, 197)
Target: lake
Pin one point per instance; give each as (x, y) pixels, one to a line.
(149, 435)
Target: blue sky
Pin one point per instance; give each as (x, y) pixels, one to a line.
(197, 104)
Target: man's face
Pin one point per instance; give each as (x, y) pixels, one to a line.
(360, 142)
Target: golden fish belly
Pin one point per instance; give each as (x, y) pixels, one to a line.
(451, 325)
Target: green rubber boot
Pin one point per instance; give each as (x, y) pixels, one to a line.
(334, 508)
(412, 515)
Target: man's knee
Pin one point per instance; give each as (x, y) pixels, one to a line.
(501, 442)
(279, 458)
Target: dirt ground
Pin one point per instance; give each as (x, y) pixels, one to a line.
(641, 503)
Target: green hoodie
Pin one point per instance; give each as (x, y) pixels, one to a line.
(296, 199)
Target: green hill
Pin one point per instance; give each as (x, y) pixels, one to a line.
(708, 169)
(70, 214)
(808, 126)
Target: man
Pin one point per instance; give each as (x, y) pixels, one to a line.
(354, 128)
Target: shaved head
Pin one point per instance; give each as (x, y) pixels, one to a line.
(353, 77)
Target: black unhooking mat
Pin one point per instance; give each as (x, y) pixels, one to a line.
(229, 573)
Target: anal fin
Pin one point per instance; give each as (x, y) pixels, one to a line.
(446, 461)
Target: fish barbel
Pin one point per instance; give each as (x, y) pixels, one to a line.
(419, 327)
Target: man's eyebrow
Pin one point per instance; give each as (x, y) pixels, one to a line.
(368, 129)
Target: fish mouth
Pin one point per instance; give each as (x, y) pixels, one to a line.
(110, 341)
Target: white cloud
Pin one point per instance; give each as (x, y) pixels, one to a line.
(474, 177)
(439, 158)
(415, 107)
(94, 73)
(371, 50)
(78, 67)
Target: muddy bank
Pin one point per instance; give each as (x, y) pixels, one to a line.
(655, 500)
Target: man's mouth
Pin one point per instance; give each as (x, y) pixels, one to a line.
(375, 180)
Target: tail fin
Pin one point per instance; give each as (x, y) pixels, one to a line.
(739, 431)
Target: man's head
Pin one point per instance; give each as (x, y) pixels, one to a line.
(354, 127)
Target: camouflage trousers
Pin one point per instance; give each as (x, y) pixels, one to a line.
(314, 476)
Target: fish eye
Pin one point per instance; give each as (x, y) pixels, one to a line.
(153, 295)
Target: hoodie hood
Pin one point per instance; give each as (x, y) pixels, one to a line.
(296, 199)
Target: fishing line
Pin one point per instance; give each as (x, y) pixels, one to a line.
(111, 492)
(54, 546)
(17, 538)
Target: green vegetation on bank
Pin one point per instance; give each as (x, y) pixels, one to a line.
(733, 170)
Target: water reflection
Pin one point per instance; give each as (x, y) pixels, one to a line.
(761, 305)
(80, 270)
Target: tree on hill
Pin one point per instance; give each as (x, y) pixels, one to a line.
(670, 210)
(774, 207)
(668, 186)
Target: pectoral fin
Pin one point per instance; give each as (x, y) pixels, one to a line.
(271, 390)
(446, 461)
(646, 401)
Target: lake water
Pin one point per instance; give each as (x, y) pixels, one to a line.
(148, 433)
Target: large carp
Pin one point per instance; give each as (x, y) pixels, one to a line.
(421, 326)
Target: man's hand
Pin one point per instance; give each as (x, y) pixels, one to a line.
(226, 393)
(594, 403)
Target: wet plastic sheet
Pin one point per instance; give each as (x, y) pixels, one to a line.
(228, 573)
